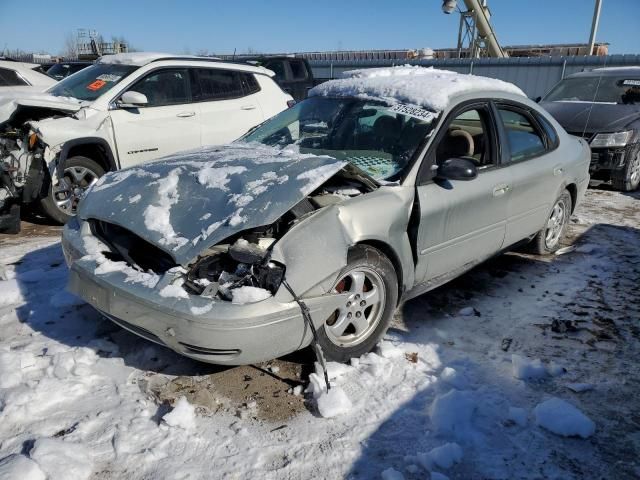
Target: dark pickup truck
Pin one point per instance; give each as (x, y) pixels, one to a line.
(292, 74)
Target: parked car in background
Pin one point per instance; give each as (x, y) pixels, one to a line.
(61, 70)
(292, 74)
(22, 76)
(603, 106)
(350, 204)
(124, 110)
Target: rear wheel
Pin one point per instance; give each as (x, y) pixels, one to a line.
(79, 173)
(627, 179)
(548, 239)
(358, 325)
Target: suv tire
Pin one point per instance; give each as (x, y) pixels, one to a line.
(79, 173)
(372, 281)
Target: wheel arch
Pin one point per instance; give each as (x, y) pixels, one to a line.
(393, 257)
(95, 148)
(572, 188)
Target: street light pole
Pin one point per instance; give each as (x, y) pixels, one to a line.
(594, 25)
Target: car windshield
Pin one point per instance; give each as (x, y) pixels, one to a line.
(63, 70)
(371, 135)
(91, 82)
(605, 89)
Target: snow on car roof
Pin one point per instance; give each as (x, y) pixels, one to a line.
(426, 87)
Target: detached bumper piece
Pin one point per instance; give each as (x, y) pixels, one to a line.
(10, 221)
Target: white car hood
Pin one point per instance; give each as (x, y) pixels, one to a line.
(10, 101)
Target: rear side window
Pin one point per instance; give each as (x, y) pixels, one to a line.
(552, 135)
(164, 87)
(523, 138)
(217, 84)
(249, 83)
(298, 70)
(9, 78)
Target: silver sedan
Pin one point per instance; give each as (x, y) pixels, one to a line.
(365, 195)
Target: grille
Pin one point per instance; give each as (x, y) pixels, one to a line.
(126, 246)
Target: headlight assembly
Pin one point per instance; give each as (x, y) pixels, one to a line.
(608, 140)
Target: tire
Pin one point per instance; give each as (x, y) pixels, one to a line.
(79, 174)
(377, 274)
(627, 179)
(548, 239)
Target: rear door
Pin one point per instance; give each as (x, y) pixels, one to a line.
(535, 175)
(167, 124)
(461, 223)
(228, 102)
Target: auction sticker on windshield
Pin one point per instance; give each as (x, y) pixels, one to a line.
(415, 112)
(97, 85)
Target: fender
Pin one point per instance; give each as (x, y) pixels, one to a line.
(67, 146)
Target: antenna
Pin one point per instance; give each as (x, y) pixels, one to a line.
(595, 95)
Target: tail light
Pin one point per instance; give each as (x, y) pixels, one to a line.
(290, 103)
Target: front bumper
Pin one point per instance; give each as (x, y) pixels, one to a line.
(226, 334)
(606, 160)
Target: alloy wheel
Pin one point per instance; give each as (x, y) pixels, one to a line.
(555, 225)
(362, 310)
(72, 187)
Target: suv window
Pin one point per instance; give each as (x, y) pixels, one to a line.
(277, 67)
(216, 84)
(249, 83)
(164, 87)
(552, 135)
(298, 70)
(524, 140)
(9, 78)
(468, 137)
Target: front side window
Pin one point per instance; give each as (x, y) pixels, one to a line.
(372, 135)
(523, 138)
(467, 136)
(216, 84)
(599, 89)
(92, 82)
(9, 78)
(164, 87)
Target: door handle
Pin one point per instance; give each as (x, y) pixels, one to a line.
(185, 114)
(500, 190)
(558, 171)
(248, 107)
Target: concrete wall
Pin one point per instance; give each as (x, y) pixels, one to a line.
(534, 75)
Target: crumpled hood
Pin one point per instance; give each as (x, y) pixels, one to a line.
(190, 201)
(10, 101)
(603, 118)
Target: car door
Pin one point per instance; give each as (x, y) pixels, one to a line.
(168, 123)
(228, 103)
(535, 174)
(461, 223)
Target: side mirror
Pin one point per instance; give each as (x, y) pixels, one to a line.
(132, 99)
(537, 100)
(457, 169)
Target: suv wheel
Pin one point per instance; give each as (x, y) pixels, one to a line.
(356, 327)
(62, 201)
(627, 179)
(548, 239)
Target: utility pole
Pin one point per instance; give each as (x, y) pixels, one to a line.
(594, 25)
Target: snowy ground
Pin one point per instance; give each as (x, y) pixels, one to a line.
(80, 398)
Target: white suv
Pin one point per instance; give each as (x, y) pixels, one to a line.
(124, 110)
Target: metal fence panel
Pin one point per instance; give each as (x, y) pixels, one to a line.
(534, 75)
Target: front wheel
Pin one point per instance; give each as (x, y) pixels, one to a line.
(548, 239)
(79, 173)
(358, 325)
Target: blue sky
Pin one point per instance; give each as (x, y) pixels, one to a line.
(286, 25)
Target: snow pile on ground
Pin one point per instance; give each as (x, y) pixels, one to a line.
(426, 87)
(334, 402)
(391, 474)
(9, 292)
(61, 460)
(451, 413)
(182, 416)
(526, 369)
(564, 419)
(19, 467)
(444, 457)
(248, 294)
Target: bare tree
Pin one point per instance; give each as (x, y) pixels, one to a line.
(70, 46)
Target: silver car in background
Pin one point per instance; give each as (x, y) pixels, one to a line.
(379, 187)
